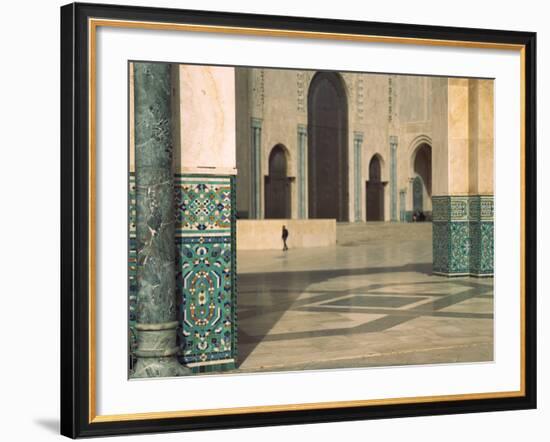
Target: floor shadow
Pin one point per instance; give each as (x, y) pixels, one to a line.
(274, 293)
(52, 425)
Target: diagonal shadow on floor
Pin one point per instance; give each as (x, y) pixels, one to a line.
(271, 295)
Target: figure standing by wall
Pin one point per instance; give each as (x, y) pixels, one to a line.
(284, 236)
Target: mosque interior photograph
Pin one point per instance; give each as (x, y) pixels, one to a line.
(285, 219)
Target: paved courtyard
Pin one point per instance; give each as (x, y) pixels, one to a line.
(368, 301)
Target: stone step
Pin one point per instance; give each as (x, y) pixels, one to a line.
(353, 233)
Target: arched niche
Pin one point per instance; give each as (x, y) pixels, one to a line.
(422, 180)
(277, 185)
(375, 190)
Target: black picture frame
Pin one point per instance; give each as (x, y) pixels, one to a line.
(76, 418)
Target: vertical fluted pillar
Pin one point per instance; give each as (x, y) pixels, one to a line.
(358, 149)
(393, 178)
(256, 168)
(302, 174)
(156, 322)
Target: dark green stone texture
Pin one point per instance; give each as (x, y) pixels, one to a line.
(156, 297)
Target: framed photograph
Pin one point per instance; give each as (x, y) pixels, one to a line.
(274, 220)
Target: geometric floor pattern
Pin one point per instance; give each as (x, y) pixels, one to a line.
(363, 304)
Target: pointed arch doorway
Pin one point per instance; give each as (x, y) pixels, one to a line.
(277, 185)
(375, 191)
(422, 181)
(328, 147)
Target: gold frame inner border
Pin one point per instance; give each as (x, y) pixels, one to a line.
(93, 24)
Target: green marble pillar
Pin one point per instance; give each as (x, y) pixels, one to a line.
(156, 321)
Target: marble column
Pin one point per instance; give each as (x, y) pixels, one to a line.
(409, 192)
(462, 204)
(393, 178)
(256, 168)
(481, 166)
(402, 205)
(302, 174)
(358, 158)
(156, 321)
(450, 200)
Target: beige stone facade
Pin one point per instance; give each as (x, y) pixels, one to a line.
(452, 118)
(352, 147)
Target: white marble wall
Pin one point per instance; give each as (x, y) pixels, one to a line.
(463, 141)
(206, 113)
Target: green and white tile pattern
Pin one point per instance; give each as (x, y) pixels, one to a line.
(463, 241)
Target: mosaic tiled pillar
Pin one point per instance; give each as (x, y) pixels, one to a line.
(302, 158)
(358, 150)
(451, 235)
(256, 172)
(481, 235)
(206, 271)
(462, 235)
(155, 308)
(132, 269)
(393, 178)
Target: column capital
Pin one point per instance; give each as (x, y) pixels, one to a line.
(256, 123)
(394, 139)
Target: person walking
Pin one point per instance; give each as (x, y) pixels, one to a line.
(284, 236)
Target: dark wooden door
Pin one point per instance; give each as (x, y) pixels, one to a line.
(375, 201)
(277, 186)
(327, 148)
(375, 191)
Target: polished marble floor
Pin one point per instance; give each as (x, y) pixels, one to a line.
(368, 301)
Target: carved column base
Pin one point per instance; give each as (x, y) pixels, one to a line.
(156, 351)
(159, 368)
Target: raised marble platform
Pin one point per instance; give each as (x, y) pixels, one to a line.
(303, 233)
